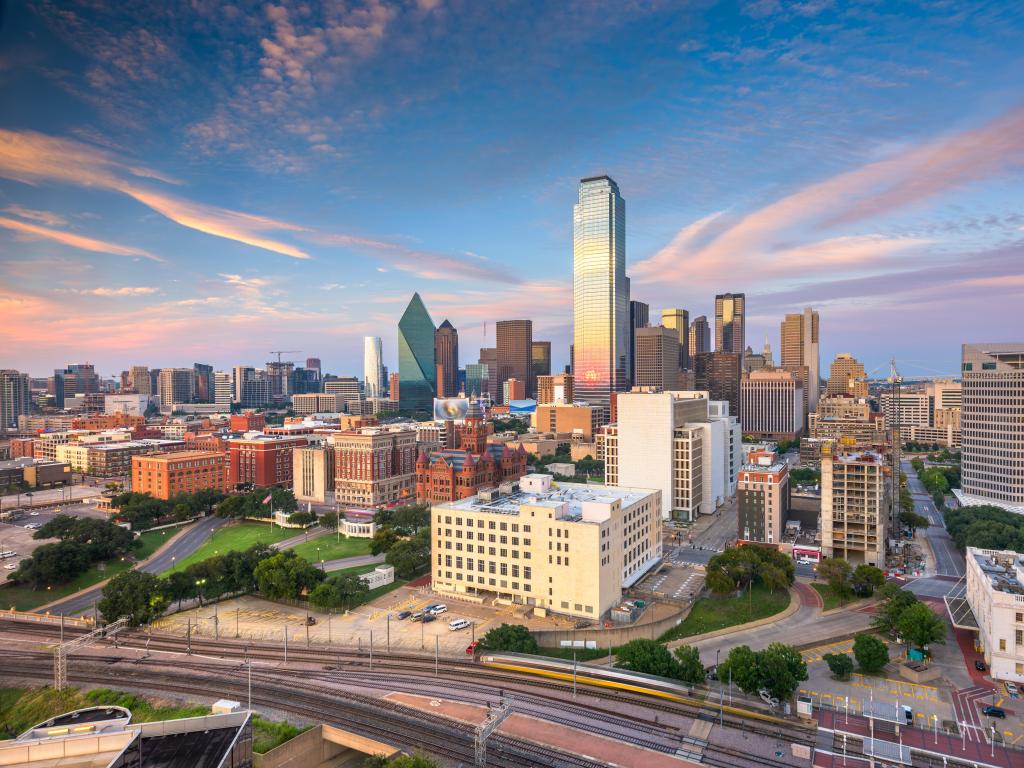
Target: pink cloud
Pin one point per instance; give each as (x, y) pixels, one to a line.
(74, 241)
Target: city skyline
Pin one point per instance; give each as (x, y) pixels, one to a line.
(169, 197)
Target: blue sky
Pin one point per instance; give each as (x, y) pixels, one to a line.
(209, 181)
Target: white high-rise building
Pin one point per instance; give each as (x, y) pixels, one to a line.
(373, 367)
(601, 326)
(223, 389)
(15, 398)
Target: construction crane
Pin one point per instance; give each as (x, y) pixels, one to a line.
(895, 380)
(280, 352)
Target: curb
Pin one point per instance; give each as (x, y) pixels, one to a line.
(794, 605)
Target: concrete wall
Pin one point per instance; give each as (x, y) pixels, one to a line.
(657, 620)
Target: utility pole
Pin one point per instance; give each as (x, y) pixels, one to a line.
(285, 643)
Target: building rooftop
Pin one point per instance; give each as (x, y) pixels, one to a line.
(183, 455)
(573, 496)
(860, 457)
(1002, 570)
(122, 444)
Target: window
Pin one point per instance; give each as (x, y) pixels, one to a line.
(1002, 644)
(1018, 637)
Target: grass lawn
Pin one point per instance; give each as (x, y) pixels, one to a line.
(713, 613)
(24, 598)
(830, 598)
(238, 536)
(331, 548)
(373, 594)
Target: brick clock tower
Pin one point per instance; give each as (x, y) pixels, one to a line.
(473, 432)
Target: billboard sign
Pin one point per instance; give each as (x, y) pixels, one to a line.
(450, 408)
(522, 406)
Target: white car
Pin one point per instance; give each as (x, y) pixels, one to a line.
(11, 567)
(437, 610)
(456, 624)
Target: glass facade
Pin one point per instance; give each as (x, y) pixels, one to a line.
(417, 371)
(477, 379)
(730, 318)
(601, 323)
(373, 367)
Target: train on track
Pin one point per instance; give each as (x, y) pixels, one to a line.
(601, 677)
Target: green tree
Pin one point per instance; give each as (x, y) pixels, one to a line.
(301, 518)
(871, 653)
(326, 596)
(896, 601)
(383, 539)
(410, 557)
(837, 573)
(719, 582)
(329, 520)
(781, 669)
(349, 587)
(774, 578)
(741, 667)
(286, 575)
(139, 596)
(178, 586)
(401, 761)
(919, 625)
(647, 656)
(52, 564)
(510, 637)
(839, 664)
(866, 579)
(690, 667)
(913, 520)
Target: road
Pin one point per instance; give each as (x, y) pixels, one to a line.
(182, 547)
(949, 561)
(684, 555)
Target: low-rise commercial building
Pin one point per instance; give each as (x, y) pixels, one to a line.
(569, 550)
(262, 460)
(995, 595)
(167, 474)
(762, 498)
(570, 419)
(112, 458)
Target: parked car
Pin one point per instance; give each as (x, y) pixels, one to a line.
(1011, 688)
(437, 610)
(712, 673)
(310, 621)
(908, 714)
(994, 712)
(33, 513)
(471, 648)
(980, 665)
(428, 617)
(11, 566)
(418, 616)
(404, 615)
(456, 624)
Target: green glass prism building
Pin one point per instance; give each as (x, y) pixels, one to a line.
(417, 371)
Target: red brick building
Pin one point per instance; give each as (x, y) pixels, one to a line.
(22, 448)
(247, 421)
(263, 460)
(167, 474)
(375, 466)
(451, 475)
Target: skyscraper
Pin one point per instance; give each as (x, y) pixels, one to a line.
(730, 317)
(639, 317)
(240, 375)
(700, 337)
(846, 377)
(446, 358)
(417, 371)
(313, 363)
(800, 349)
(718, 373)
(489, 358)
(679, 320)
(176, 386)
(138, 379)
(514, 344)
(541, 353)
(657, 358)
(204, 382)
(15, 398)
(373, 367)
(601, 330)
(223, 389)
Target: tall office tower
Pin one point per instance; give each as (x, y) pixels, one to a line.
(854, 505)
(154, 380)
(718, 373)
(541, 354)
(240, 375)
(639, 317)
(555, 390)
(176, 386)
(394, 387)
(55, 387)
(993, 439)
(223, 389)
(514, 344)
(417, 370)
(204, 382)
(446, 358)
(305, 381)
(373, 367)
(700, 337)
(772, 403)
(489, 357)
(657, 358)
(800, 335)
(762, 498)
(313, 364)
(138, 379)
(600, 297)
(80, 379)
(679, 321)
(346, 387)
(280, 376)
(477, 376)
(15, 398)
(730, 318)
(846, 377)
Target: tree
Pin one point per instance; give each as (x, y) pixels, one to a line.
(401, 761)
(718, 581)
(774, 578)
(410, 557)
(325, 595)
(510, 637)
(837, 573)
(349, 587)
(286, 575)
(781, 669)
(839, 664)
(741, 667)
(919, 625)
(301, 518)
(178, 586)
(913, 520)
(866, 579)
(329, 520)
(647, 656)
(139, 596)
(52, 564)
(690, 667)
(871, 653)
(383, 539)
(896, 601)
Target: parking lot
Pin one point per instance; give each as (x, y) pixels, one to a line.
(15, 537)
(259, 619)
(675, 582)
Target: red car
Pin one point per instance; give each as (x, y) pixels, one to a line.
(471, 648)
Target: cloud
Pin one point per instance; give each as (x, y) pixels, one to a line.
(128, 290)
(74, 241)
(43, 217)
(33, 158)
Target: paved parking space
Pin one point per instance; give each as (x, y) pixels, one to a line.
(14, 536)
(676, 582)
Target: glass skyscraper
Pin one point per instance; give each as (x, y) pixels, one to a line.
(730, 319)
(373, 367)
(417, 371)
(601, 325)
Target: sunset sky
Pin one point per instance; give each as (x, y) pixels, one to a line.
(205, 182)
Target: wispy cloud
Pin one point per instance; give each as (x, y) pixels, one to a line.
(34, 231)
(127, 290)
(43, 217)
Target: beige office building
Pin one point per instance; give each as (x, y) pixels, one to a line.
(800, 345)
(556, 389)
(141, 382)
(313, 473)
(657, 352)
(996, 609)
(175, 386)
(862, 432)
(846, 376)
(317, 402)
(568, 550)
(912, 408)
(844, 407)
(772, 402)
(991, 420)
(854, 505)
(566, 419)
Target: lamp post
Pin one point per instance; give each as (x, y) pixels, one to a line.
(199, 590)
